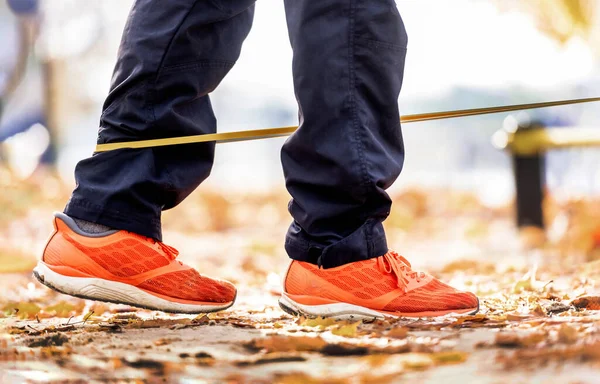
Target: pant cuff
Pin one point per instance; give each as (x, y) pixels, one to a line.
(365, 243)
(127, 221)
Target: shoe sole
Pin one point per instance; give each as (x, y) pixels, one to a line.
(345, 311)
(114, 292)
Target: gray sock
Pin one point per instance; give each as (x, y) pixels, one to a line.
(89, 227)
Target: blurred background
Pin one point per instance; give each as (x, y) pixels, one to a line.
(56, 60)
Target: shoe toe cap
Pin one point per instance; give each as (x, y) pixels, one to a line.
(227, 291)
(468, 300)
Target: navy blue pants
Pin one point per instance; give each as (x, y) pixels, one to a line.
(348, 66)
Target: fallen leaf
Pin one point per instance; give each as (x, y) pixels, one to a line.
(301, 378)
(449, 357)
(56, 339)
(555, 307)
(344, 349)
(514, 340)
(321, 322)
(270, 358)
(587, 302)
(347, 330)
(65, 309)
(397, 333)
(23, 310)
(478, 318)
(515, 316)
(152, 365)
(279, 343)
(202, 319)
(377, 360)
(567, 334)
(165, 341)
(417, 361)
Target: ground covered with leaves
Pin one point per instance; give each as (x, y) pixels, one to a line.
(539, 318)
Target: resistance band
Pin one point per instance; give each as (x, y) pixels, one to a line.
(227, 137)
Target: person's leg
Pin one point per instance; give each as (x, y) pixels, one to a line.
(173, 54)
(348, 67)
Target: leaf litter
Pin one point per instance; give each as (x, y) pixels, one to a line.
(539, 302)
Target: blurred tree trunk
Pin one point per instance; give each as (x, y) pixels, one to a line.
(54, 98)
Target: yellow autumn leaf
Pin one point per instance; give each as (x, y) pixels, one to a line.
(417, 361)
(321, 322)
(64, 309)
(449, 357)
(23, 310)
(347, 330)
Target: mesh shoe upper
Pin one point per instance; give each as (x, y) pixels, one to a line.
(386, 283)
(132, 259)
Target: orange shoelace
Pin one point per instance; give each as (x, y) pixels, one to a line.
(169, 251)
(395, 264)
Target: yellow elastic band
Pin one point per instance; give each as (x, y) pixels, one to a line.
(227, 137)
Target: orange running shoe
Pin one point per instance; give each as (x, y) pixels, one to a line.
(370, 289)
(126, 268)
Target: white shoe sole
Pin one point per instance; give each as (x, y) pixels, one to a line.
(345, 311)
(341, 311)
(115, 292)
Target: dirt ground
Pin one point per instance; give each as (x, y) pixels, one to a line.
(539, 319)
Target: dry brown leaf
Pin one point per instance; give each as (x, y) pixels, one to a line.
(514, 340)
(165, 341)
(54, 339)
(555, 307)
(397, 333)
(587, 302)
(377, 360)
(279, 343)
(478, 318)
(567, 334)
(540, 356)
(516, 316)
(346, 349)
(269, 358)
(303, 378)
(370, 378)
